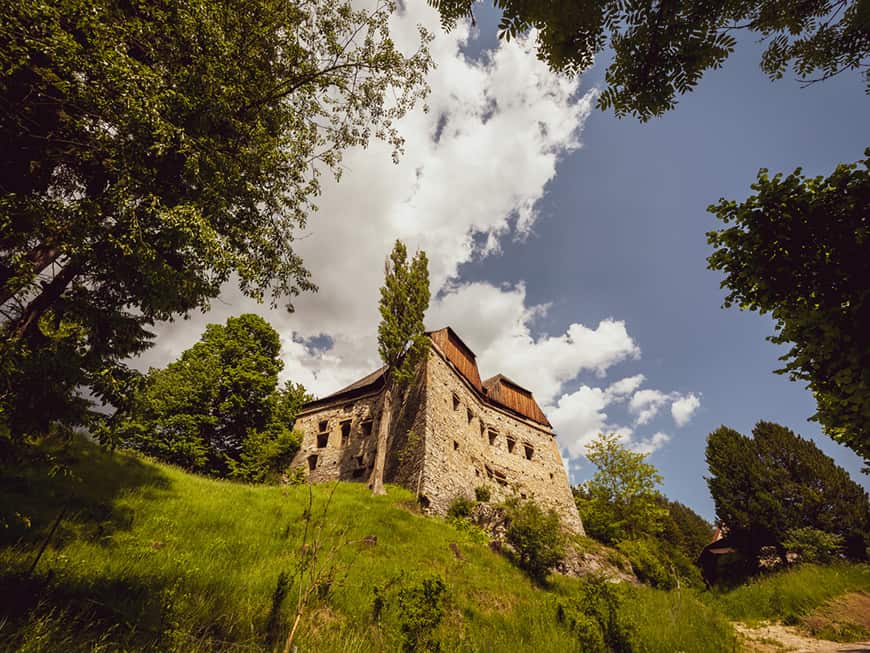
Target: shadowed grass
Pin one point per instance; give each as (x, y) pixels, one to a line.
(150, 558)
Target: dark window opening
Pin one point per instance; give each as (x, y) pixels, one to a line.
(511, 443)
(455, 446)
(324, 425)
(456, 402)
(312, 462)
(477, 472)
(345, 433)
(469, 414)
(367, 428)
(322, 440)
(522, 495)
(493, 436)
(482, 429)
(530, 451)
(551, 476)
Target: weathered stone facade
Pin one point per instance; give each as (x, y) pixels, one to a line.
(447, 438)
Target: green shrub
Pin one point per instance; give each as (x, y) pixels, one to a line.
(266, 455)
(482, 493)
(660, 565)
(648, 563)
(460, 507)
(596, 618)
(813, 545)
(536, 537)
(421, 608)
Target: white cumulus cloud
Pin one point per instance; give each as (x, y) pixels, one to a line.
(683, 409)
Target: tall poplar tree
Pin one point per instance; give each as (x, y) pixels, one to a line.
(402, 341)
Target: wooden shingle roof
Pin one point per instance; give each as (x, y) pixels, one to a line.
(498, 390)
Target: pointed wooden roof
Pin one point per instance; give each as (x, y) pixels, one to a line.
(510, 394)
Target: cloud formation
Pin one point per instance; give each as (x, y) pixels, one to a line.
(683, 409)
(475, 166)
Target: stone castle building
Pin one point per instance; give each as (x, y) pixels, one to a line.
(450, 433)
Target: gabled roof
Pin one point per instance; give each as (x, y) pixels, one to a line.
(458, 353)
(368, 383)
(498, 390)
(510, 394)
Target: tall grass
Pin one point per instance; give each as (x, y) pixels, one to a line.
(148, 557)
(678, 621)
(790, 594)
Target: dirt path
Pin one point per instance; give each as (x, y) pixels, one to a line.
(776, 638)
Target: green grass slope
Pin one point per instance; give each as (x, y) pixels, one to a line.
(149, 558)
(791, 594)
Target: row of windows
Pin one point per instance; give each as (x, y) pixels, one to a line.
(360, 461)
(491, 434)
(345, 426)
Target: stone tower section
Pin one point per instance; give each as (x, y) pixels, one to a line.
(450, 434)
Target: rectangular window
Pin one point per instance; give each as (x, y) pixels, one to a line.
(530, 451)
(367, 428)
(511, 443)
(345, 432)
(493, 436)
(312, 462)
(322, 440)
(455, 446)
(456, 402)
(324, 425)
(469, 414)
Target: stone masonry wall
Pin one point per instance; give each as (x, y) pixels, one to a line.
(470, 443)
(339, 440)
(445, 442)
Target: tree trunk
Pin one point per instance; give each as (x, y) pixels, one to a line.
(51, 292)
(376, 482)
(37, 260)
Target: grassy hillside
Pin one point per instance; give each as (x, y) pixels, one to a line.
(149, 558)
(790, 595)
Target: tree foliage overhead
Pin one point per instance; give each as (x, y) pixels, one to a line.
(767, 486)
(402, 340)
(798, 249)
(621, 501)
(661, 49)
(216, 410)
(150, 150)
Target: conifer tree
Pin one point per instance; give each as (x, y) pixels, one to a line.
(775, 482)
(402, 342)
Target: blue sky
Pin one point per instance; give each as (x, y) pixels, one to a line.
(570, 256)
(623, 234)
